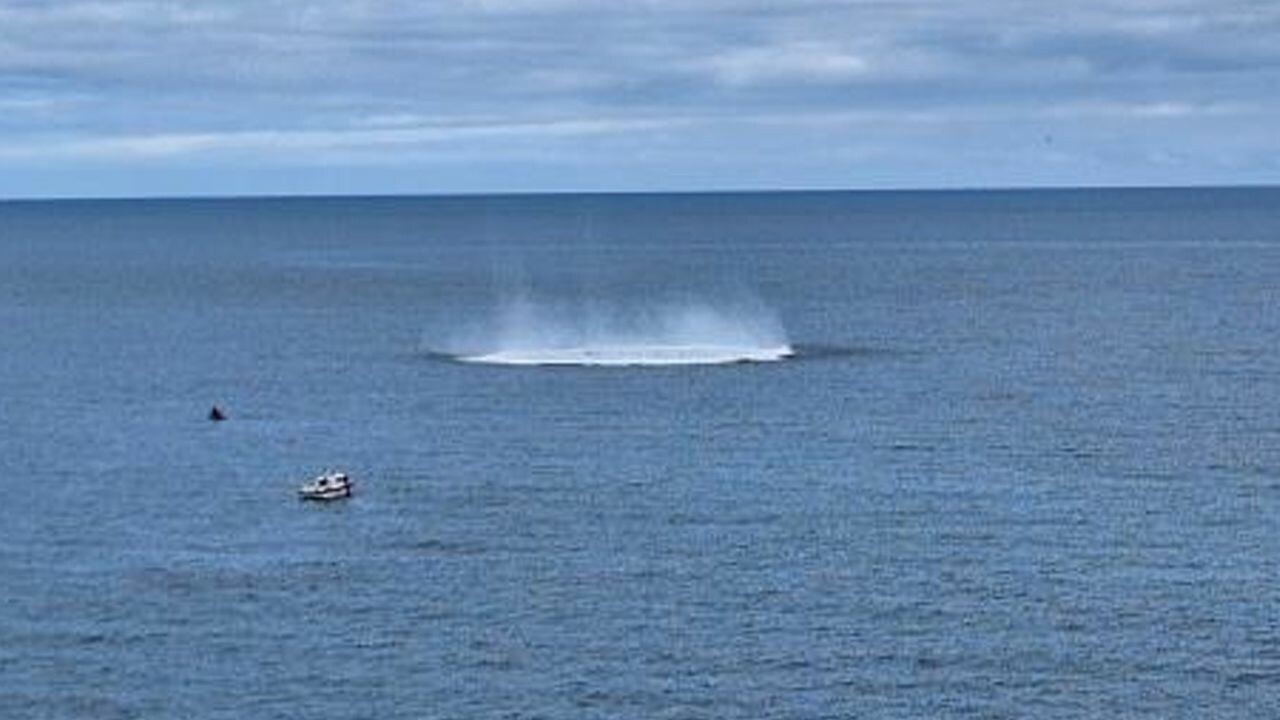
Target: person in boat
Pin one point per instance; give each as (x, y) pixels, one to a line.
(216, 414)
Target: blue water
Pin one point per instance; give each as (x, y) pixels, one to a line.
(1025, 462)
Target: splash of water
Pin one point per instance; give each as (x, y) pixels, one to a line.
(525, 332)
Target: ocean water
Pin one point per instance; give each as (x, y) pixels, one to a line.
(997, 455)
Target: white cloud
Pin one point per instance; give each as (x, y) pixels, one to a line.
(802, 62)
(112, 13)
(28, 104)
(295, 142)
(1156, 109)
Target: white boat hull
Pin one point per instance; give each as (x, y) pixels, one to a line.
(330, 486)
(332, 494)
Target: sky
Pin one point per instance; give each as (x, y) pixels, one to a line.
(105, 98)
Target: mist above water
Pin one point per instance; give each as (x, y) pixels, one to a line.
(523, 331)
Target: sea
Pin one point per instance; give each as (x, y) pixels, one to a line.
(956, 454)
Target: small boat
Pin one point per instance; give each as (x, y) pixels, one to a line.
(327, 486)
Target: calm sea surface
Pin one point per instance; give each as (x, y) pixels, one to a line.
(1024, 464)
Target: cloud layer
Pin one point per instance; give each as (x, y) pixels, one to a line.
(651, 94)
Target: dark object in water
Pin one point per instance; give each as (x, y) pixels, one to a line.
(216, 414)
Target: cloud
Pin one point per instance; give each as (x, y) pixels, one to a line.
(367, 80)
(27, 104)
(1156, 109)
(480, 52)
(384, 133)
(797, 62)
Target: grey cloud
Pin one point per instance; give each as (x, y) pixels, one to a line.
(577, 48)
(107, 78)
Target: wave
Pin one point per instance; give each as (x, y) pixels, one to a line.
(628, 355)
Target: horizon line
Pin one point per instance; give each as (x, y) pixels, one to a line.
(467, 194)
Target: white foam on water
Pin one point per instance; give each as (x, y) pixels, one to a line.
(635, 355)
(528, 333)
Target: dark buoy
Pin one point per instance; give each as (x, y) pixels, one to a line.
(216, 414)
